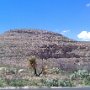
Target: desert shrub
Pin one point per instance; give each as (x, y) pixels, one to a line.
(2, 82)
(10, 71)
(18, 83)
(73, 76)
(87, 81)
(34, 83)
(56, 70)
(79, 74)
(3, 70)
(83, 73)
(50, 82)
(56, 83)
(65, 83)
(33, 64)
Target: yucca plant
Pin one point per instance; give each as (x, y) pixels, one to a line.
(33, 65)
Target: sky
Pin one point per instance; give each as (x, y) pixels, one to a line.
(68, 17)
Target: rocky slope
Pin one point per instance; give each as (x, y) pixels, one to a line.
(16, 46)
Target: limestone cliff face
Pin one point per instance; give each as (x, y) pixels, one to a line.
(16, 46)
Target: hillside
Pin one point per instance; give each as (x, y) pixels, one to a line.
(16, 46)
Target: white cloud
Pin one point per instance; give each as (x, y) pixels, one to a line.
(84, 35)
(88, 5)
(65, 31)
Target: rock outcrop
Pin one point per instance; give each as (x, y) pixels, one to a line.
(16, 46)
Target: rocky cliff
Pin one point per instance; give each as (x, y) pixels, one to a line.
(16, 46)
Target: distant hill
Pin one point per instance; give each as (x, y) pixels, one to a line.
(16, 46)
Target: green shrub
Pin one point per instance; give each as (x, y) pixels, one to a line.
(18, 83)
(87, 81)
(2, 82)
(52, 82)
(74, 76)
(65, 83)
(47, 82)
(81, 74)
(57, 83)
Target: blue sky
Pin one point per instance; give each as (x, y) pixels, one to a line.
(68, 17)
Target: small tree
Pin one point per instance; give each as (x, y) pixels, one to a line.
(33, 65)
